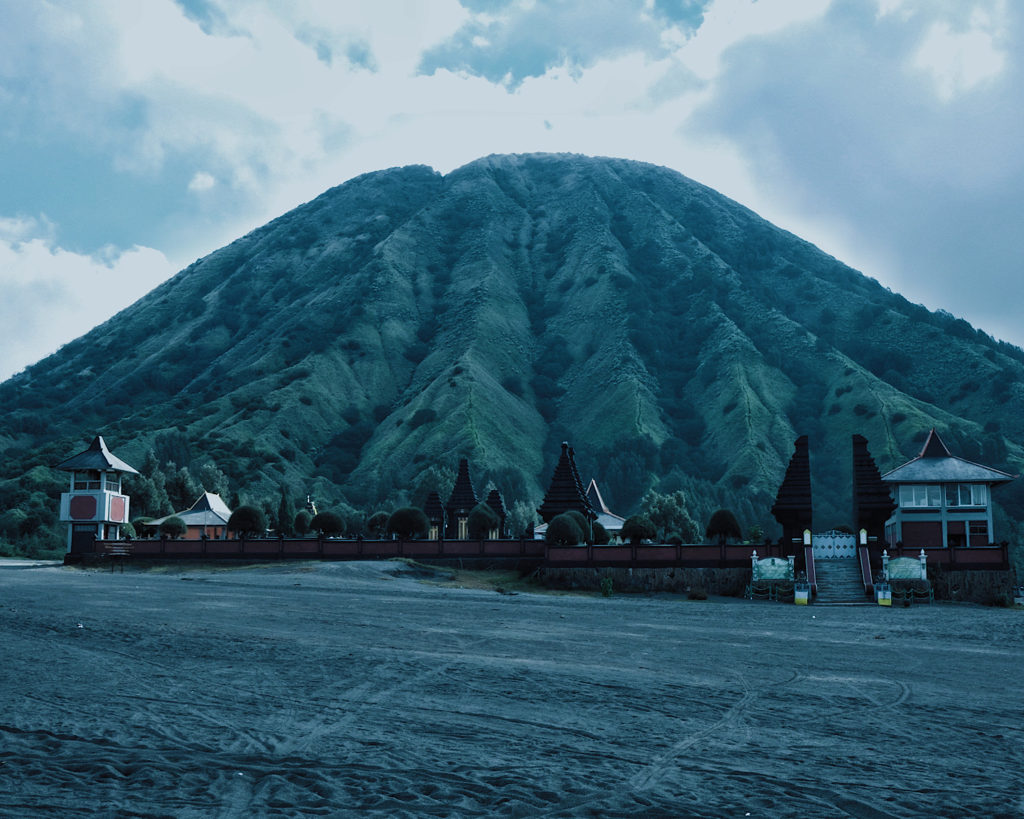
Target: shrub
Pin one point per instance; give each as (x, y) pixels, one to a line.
(607, 586)
(173, 527)
(408, 522)
(638, 528)
(723, 527)
(696, 593)
(328, 524)
(301, 524)
(601, 536)
(247, 520)
(481, 521)
(581, 522)
(377, 524)
(563, 531)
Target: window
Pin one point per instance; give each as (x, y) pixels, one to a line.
(979, 529)
(966, 494)
(921, 495)
(87, 480)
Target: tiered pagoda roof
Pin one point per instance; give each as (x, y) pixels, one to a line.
(566, 490)
(463, 497)
(498, 507)
(433, 508)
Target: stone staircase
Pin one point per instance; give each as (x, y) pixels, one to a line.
(839, 582)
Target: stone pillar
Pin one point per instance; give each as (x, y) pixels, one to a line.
(885, 564)
(753, 565)
(924, 565)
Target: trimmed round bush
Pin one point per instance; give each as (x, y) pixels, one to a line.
(563, 531)
(638, 528)
(481, 521)
(328, 524)
(601, 536)
(247, 520)
(301, 524)
(581, 522)
(408, 522)
(377, 524)
(723, 527)
(173, 527)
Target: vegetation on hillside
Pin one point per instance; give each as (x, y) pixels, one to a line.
(353, 348)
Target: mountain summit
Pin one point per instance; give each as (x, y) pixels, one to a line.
(357, 346)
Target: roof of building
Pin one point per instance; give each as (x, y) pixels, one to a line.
(208, 510)
(96, 457)
(433, 508)
(935, 464)
(496, 503)
(566, 490)
(463, 497)
(605, 516)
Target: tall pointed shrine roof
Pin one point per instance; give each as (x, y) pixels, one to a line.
(566, 490)
(496, 503)
(792, 507)
(433, 508)
(935, 464)
(872, 498)
(97, 457)
(463, 497)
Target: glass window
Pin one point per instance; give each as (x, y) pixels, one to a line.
(921, 495)
(966, 494)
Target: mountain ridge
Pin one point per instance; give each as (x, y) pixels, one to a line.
(357, 345)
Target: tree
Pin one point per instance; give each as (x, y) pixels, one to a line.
(301, 524)
(481, 521)
(638, 528)
(182, 488)
(723, 526)
(173, 527)
(670, 514)
(213, 479)
(601, 536)
(285, 513)
(246, 521)
(581, 522)
(563, 531)
(377, 524)
(328, 524)
(408, 522)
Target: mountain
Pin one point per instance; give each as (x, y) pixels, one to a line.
(355, 347)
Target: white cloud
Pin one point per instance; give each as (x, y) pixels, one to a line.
(52, 295)
(202, 181)
(958, 61)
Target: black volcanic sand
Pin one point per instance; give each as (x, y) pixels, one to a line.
(343, 687)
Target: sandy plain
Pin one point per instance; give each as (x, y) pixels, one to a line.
(354, 688)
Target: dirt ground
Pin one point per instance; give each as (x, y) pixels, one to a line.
(336, 688)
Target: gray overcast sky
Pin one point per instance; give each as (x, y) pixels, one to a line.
(136, 137)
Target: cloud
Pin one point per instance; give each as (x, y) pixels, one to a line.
(52, 295)
(514, 41)
(899, 171)
(202, 181)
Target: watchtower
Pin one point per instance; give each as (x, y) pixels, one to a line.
(94, 506)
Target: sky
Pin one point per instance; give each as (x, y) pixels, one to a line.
(139, 135)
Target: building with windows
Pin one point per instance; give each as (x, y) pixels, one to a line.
(942, 500)
(207, 517)
(94, 507)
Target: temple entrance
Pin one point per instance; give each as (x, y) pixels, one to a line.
(833, 545)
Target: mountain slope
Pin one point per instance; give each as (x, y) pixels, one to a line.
(356, 346)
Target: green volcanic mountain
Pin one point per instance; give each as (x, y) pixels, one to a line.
(355, 347)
